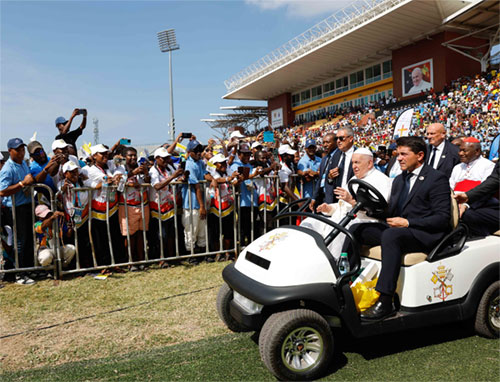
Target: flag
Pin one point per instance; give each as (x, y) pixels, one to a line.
(403, 124)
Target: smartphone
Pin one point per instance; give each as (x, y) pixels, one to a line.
(82, 111)
(268, 136)
(245, 171)
(182, 165)
(141, 161)
(125, 142)
(186, 135)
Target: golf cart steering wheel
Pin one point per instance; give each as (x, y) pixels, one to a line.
(370, 198)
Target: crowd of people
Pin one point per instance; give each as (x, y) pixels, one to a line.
(190, 199)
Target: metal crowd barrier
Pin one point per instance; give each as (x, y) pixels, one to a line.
(237, 245)
(54, 241)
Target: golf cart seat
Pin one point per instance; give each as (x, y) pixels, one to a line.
(413, 258)
(497, 233)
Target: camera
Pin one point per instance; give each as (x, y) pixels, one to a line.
(186, 135)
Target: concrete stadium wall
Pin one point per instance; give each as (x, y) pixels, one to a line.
(447, 64)
(284, 101)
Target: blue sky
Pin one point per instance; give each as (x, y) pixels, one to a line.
(104, 56)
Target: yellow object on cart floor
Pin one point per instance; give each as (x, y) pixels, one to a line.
(365, 294)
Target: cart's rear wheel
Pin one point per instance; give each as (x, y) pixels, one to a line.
(296, 344)
(224, 298)
(487, 322)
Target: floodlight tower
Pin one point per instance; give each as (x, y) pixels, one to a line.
(168, 43)
(95, 121)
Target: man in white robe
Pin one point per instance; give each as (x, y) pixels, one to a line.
(362, 165)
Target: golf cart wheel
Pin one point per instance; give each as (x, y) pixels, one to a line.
(224, 298)
(296, 345)
(488, 312)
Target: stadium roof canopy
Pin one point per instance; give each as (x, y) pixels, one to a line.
(363, 32)
(244, 116)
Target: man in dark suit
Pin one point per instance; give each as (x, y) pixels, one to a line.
(342, 159)
(442, 155)
(323, 193)
(418, 218)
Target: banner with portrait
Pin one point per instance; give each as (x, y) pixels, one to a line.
(417, 78)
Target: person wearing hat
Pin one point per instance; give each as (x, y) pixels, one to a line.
(64, 125)
(45, 235)
(308, 169)
(232, 146)
(135, 225)
(221, 205)
(61, 156)
(15, 177)
(287, 182)
(161, 196)
(42, 166)
(418, 217)
(102, 176)
(364, 169)
(249, 198)
(76, 209)
(193, 202)
(481, 216)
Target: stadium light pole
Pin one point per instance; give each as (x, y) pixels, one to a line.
(168, 43)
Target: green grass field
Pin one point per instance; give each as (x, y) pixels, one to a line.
(161, 325)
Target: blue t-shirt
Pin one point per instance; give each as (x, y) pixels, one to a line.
(36, 168)
(197, 171)
(245, 195)
(13, 173)
(306, 163)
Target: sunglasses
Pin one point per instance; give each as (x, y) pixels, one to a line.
(341, 139)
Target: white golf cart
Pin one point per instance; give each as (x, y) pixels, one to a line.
(286, 284)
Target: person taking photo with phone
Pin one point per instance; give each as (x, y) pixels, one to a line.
(64, 125)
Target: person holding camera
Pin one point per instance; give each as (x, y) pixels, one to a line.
(61, 155)
(64, 125)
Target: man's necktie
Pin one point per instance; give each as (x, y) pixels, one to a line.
(341, 170)
(404, 192)
(433, 156)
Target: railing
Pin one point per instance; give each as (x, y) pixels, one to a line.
(265, 211)
(343, 21)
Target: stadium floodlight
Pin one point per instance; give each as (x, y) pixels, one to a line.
(168, 43)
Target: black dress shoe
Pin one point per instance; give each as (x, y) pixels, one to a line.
(378, 311)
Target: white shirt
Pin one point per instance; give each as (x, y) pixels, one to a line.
(476, 171)
(347, 164)
(413, 179)
(437, 156)
(97, 175)
(157, 176)
(424, 85)
(57, 178)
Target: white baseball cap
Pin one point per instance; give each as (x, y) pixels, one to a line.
(286, 149)
(100, 148)
(59, 144)
(236, 134)
(69, 166)
(161, 152)
(256, 144)
(218, 158)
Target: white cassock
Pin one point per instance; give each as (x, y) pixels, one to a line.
(375, 178)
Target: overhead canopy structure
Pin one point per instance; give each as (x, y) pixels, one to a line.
(363, 32)
(242, 116)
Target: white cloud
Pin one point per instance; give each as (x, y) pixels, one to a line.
(302, 8)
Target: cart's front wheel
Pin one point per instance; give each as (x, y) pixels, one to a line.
(487, 321)
(224, 298)
(296, 344)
